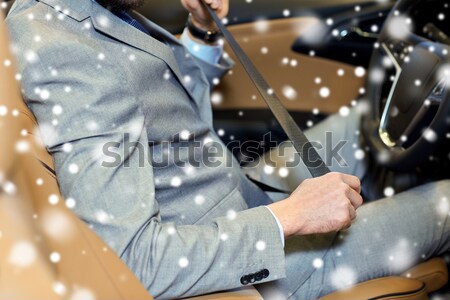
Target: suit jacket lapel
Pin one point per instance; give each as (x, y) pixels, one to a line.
(107, 23)
(154, 29)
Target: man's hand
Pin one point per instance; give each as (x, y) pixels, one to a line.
(320, 205)
(200, 16)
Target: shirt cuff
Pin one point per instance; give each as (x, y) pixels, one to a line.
(208, 53)
(279, 226)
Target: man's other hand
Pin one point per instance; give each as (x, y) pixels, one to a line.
(320, 205)
(200, 16)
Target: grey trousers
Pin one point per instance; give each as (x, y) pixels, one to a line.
(388, 236)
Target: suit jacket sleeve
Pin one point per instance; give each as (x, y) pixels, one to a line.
(71, 97)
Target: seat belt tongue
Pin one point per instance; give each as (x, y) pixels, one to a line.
(302, 145)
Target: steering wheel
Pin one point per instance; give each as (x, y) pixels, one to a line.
(409, 78)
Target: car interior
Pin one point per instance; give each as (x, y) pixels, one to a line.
(320, 57)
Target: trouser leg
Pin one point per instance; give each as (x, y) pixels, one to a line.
(388, 237)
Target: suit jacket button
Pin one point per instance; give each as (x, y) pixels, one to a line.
(244, 280)
(259, 276)
(265, 273)
(251, 278)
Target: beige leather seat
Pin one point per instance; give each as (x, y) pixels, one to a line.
(48, 253)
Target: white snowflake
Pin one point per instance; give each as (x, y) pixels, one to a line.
(360, 154)
(343, 277)
(171, 230)
(401, 256)
(73, 168)
(199, 199)
(59, 288)
(261, 26)
(231, 214)
(44, 94)
(260, 245)
(22, 254)
(289, 92)
(67, 147)
(399, 27)
(324, 92)
(185, 134)
(22, 146)
(443, 206)
(317, 263)
(283, 172)
(376, 75)
(82, 294)
(360, 71)
(268, 169)
(53, 199)
(215, 81)
(344, 111)
(221, 132)
(183, 262)
(176, 181)
(70, 203)
(389, 191)
(430, 135)
(57, 110)
(31, 56)
(55, 257)
(91, 126)
(102, 217)
(187, 79)
(216, 98)
(103, 21)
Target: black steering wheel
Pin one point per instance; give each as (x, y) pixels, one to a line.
(409, 79)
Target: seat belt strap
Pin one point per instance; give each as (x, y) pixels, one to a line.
(302, 145)
(266, 187)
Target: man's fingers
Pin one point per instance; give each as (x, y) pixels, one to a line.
(352, 182)
(355, 198)
(215, 4)
(352, 212)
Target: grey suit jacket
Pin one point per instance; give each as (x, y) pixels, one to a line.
(92, 82)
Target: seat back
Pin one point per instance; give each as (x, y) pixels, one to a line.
(46, 251)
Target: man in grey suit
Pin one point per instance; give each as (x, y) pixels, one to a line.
(110, 88)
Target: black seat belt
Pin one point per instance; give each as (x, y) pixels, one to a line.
(302, 145)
